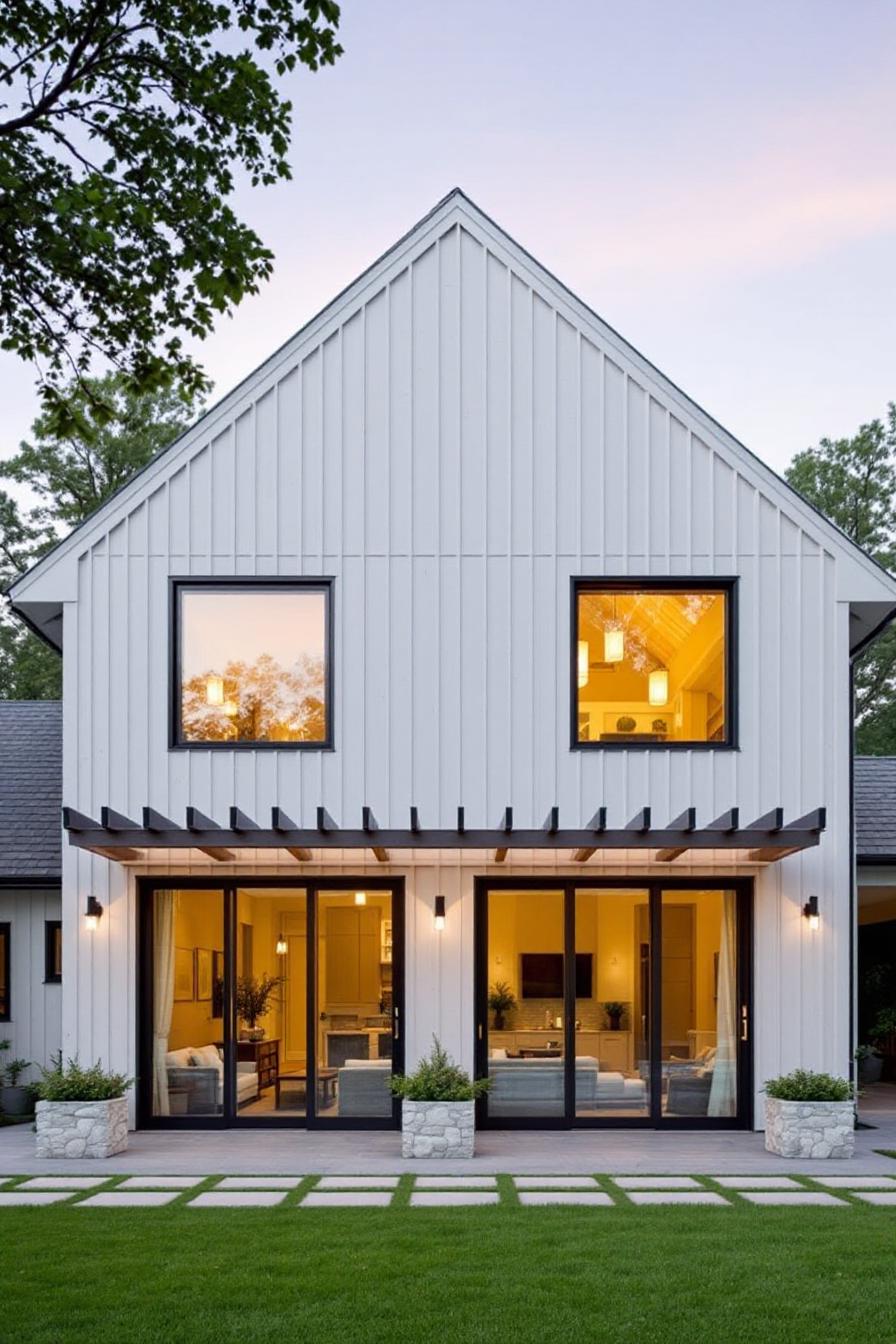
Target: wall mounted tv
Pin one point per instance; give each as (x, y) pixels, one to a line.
(542, 975)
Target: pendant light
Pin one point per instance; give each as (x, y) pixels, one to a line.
(658, 686)
(614, 641)
(583, 663)
(282, 948)
(214, 690)
(360, 898)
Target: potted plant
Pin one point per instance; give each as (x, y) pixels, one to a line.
(15, 1098)
(81, 1112)
(501, 1000)
(253, 1001)
(809, 1115)
(884, 1031)
(437, 1108)
(615, 1012)
(870, 1062)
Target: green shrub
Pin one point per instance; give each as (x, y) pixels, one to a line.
(438, 1078)
(74, 1083)
(884, 1024)
(804, 1085)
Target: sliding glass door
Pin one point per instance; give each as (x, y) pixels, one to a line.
(614, 1003)
(268, 1004)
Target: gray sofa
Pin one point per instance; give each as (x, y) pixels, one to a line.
(362, 1088)
(535, 1087)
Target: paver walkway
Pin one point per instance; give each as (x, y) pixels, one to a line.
(598, 1191)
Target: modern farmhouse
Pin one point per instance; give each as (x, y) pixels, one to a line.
(457, 674)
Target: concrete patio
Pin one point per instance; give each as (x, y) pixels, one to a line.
(376, 1152)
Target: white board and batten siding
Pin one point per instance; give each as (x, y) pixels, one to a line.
(452, 440)
(34, 1029)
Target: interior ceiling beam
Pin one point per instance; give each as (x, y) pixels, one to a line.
(121, 854)
(500, 855)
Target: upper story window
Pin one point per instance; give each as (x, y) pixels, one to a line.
(53, 951)
(252, 663)
(653, 663)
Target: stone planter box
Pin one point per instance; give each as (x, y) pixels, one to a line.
(82, 1128)
(810, 1128)
(437, 1128)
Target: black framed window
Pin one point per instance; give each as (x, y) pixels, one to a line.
(653, 663)
(5, 1006)
(252, 663)
(52, 951)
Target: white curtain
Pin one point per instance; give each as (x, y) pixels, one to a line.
(162, 994)
(723, 1092)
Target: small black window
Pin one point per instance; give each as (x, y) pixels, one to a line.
(5, 1008)
(53, 951)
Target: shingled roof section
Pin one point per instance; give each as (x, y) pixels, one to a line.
(875, 803)
(30, 790)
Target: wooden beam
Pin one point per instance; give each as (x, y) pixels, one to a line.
(381, 855)
(299, 852)
(500, 855)
(583, 855)
(217, 852)
(116, 855)
(771, 855)
(667, 855)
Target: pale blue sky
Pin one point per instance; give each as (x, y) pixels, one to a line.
(717, 180)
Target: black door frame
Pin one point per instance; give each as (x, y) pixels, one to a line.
(567, 886)
(230, 1118)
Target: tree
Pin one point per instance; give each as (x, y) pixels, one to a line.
(853, 481)
(123, 125)
(70, 475)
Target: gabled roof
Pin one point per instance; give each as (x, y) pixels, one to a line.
(42, 608)
(30, 791)
(875, 807)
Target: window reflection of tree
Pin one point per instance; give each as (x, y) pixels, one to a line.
(262, 702)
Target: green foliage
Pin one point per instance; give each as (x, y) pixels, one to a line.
(866, 1052)
(254, 995)
(884, 1024)
(68, 477)
(71, 1082)
(804, 1085)
(853, 482)
(124, 131)
(438, 1078)
(9, 1076)
(614, 1009)
(501, 998)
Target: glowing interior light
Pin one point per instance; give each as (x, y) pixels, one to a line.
(360, 898)
(658, 686)
(214, 690)
(583, 663)
(614, 646)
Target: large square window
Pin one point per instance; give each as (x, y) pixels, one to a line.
(652, 663)
(252, 664)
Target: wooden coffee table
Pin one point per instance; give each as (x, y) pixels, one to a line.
(326, 1079)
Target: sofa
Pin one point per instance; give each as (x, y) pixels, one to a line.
(196, 1080)
(536, 1087)
(362, 1088)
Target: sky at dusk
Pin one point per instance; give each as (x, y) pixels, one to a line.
(717, 181)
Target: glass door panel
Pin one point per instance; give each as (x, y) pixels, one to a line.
(699, 1028)
(186, 968)
(525, 1031)
(271, 1051)
(612, 1027)
(354, 1005)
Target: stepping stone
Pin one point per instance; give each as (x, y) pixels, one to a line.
(887, 1200)
(260, 1183)
(13, 1197)
(63, 1182)
(757, 1182)
(784, 1198)
(455, 1183)
(554, 1182)
(681, 1197)
(357, 1183)
(593, 1198)
(438, 1199)
(132, 1199)
(657, 1183)
(857, 1182)
(160, 1182)
(237, 1199)
(342, 1199)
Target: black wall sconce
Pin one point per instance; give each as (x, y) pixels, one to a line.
(439, 914)
(92, 913)
(810, 911)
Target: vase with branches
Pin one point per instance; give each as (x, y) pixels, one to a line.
(501, 1000)
(255, 996)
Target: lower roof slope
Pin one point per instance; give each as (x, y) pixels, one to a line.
(30, 790)
(875, 807)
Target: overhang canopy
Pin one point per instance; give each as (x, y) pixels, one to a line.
(118, 837)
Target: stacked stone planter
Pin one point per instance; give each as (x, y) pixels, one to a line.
(82, 1128)
(437, 1128)
(810, 1128)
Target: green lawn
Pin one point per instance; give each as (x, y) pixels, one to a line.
(508, 1274)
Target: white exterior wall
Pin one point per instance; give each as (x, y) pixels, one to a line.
(35, 1025)
(452, 440)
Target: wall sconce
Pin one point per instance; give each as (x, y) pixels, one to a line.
(92, 913)
(810, 911)
(439, 914)
(360, 898)
(282, 947)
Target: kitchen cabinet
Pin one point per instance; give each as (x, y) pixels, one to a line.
(353, 955)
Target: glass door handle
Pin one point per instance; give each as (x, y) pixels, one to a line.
(744, 1023)
(395, 1029)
